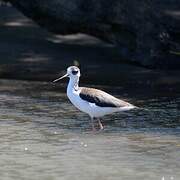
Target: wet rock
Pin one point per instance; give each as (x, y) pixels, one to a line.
(144, 32)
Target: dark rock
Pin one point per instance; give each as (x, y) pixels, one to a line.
(145, 32)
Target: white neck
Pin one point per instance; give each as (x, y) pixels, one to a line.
(73, 84)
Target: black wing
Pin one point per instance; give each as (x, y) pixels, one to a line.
(101, 98)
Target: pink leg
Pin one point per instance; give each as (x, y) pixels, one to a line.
(100, 124)
(92, 123)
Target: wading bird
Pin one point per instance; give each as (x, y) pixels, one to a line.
(94, 102)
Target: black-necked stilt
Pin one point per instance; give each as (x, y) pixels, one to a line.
(94, 102)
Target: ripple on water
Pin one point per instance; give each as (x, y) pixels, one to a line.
(44, 137)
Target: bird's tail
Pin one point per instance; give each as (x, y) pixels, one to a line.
(127, 108)
(131, 107)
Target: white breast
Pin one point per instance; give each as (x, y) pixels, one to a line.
(78, 102)
(89, 108)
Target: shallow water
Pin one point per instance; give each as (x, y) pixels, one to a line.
(42, 136)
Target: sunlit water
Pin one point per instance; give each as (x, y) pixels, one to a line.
(43, 137)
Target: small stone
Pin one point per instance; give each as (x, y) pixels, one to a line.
(85, 145)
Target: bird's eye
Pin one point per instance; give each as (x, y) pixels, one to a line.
(74, 72)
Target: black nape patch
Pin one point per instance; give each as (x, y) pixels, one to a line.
(74, 72)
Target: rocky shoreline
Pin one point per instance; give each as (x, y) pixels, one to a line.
(30, 52)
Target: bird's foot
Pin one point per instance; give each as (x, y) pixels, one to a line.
(101, 127)
(99, 124)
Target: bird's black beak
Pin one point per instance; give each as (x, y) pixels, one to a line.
(66, 75)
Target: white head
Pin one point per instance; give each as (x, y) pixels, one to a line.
(73, 73)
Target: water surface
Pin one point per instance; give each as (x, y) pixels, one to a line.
(43, 137)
